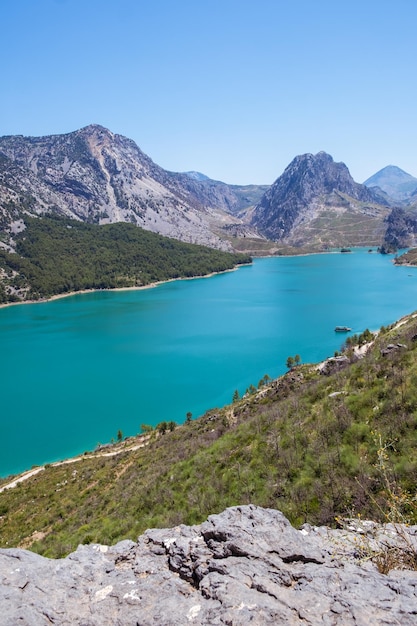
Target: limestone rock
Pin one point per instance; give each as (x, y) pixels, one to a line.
(247, 565)
(98, 176)
(312, 187)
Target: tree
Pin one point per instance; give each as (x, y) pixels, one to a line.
(162, 427)
(236, 395)
(293, 361)
(264, 381)
(290, 362)
(188, 417)
(119, 435)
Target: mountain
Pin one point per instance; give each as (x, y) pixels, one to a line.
(316, 201)
(399, 185)
(96, 176)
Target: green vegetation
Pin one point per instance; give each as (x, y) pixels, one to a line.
(316, 447)
(293, 361)
(57, 255)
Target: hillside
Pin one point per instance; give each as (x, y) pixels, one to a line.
(58, 255)
(316, 202)
(317, 443)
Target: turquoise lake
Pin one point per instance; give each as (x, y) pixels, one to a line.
(76, 370)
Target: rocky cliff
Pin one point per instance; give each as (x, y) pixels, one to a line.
(97, 176)
(246, 565)
(316, 200)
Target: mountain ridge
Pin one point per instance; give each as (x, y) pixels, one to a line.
(95, 175)
(98, 176)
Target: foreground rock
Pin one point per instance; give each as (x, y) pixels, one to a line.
(244, 566)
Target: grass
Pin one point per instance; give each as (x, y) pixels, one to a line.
(345, 229)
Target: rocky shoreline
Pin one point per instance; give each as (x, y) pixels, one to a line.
(245, 565)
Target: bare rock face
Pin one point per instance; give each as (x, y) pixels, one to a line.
(244, 566)
(312, 186)
(97, 176)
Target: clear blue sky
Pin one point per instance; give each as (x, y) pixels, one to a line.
(232, 88)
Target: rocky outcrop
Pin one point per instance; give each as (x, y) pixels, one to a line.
(401, 229)
(334, 364)
(246, 565)
(310, 187)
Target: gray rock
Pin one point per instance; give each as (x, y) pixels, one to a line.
(247, 565)
(95, 175)
(334, 364)
(314, 185)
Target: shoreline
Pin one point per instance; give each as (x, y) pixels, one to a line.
(59, 296)
(169, 280)
(134, 442)
(128, 445)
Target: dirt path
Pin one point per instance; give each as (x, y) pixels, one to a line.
(26, 475)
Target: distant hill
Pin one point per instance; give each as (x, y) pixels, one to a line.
(316, 201)
(395, 182)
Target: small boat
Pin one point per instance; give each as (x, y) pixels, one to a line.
(345, 250)
(342, 329)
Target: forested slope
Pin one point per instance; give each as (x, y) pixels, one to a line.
(57, 255)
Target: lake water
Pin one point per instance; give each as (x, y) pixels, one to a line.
(76, 370)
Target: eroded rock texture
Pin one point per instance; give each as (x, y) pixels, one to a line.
(247, 565)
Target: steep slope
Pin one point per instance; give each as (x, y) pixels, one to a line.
(399, 185)
(97, 176)
(316, 201)
(401, 229)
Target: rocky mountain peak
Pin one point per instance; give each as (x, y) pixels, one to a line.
(311, 183)
(315, 174)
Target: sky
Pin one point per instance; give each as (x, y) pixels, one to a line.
(234, 89)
